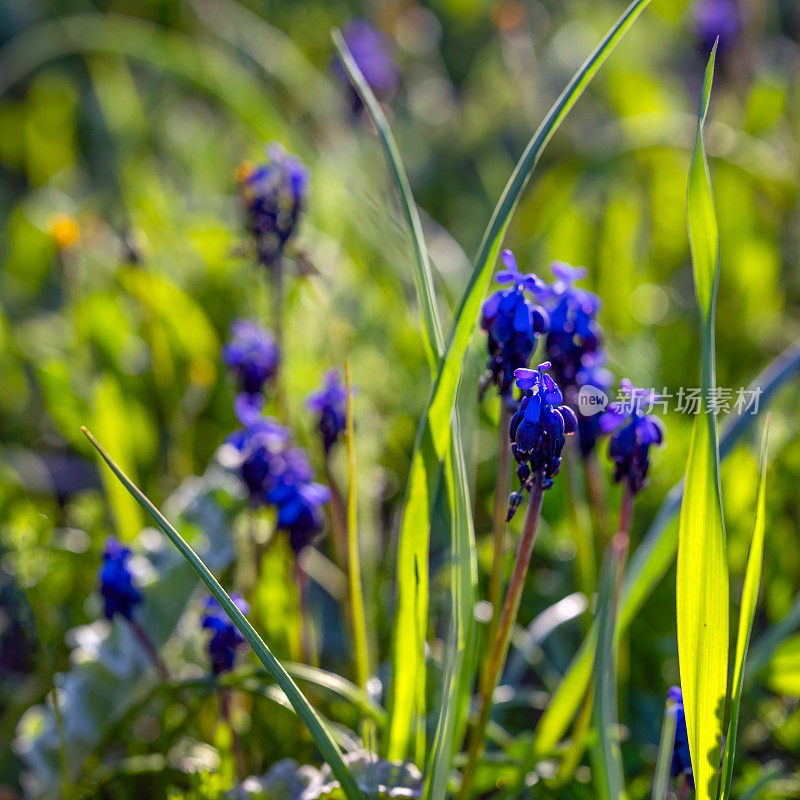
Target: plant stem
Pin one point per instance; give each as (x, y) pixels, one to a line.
(339, 517)
(276, 276)
(357, 613)
(236, 745)
(664, 758)
(306, 645)
(499, 652)
(595, 491)
(580, 519)
(150, 649)
(501, 491)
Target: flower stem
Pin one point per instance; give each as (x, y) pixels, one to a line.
(339, 512)
(236, 745)
(595, 491)
(497, 658)
(501, 492)
(306, 645)
(150, 649)
(276, 276)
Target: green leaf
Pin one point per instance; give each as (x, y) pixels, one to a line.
(747, 612)
(702, 580)
(607, 759)
(434, 430)
(408, 677)
(303, 709)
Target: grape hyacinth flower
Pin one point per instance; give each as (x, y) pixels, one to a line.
(120, 594)
(681, 758)
(629, 445)
(371, 50)
(538, 430)
(512, 324)
(274, 194)
(225, 636)
(716, 18)
(574, 331)
(330, 404)
(252, 355)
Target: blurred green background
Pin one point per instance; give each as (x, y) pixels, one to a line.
(124, 259)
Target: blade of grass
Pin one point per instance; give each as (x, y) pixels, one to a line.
(314, 724)
(408, 677)
(353, 555)
(702, 578)
(747, 612)
(664, 758)
(649, 564)
(607, 760)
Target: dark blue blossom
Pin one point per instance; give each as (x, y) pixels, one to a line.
(372, 52)
(330, 404)
(120, 595)
(716, 18)
(681, 758)
(512, 324)
(274, 195)
(225, 636)
(591, 373)
(574, 331)
(629, 446)
(538, 429)
(276, 474)
(251, 354)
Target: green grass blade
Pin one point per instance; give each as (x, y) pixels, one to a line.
(747, 612)
(649, 564)
(322, 737)
(664, 758)
(702, 578)
(434, 430)
(432, 330)
(607, 759)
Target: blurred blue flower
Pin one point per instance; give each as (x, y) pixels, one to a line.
(538, 429)
(512, 324)
(716, 18)
(372, 52)
(120, 595)
(591, 373)
(274, 194)
(225, 636)
(574, 331)
(251, 354)
(299, 504)
(681, 758)
(629, 446)
(330, 404)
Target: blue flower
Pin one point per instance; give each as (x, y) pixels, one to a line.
(251, 354)
(330, 403)
(371, 50)
(573, 331)
(716, 18)
(120, 595)
(274, 195)
(591, 373)
(225, 636)
(512, 324)
(629, 446)
(538, 429)
(681, 758)
(276, 474)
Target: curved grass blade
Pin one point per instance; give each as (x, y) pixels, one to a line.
(606, 757)
(408, 677)
(650, 562)
(434, 430)
(747, 612)
(702, 578)
(322, 737)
